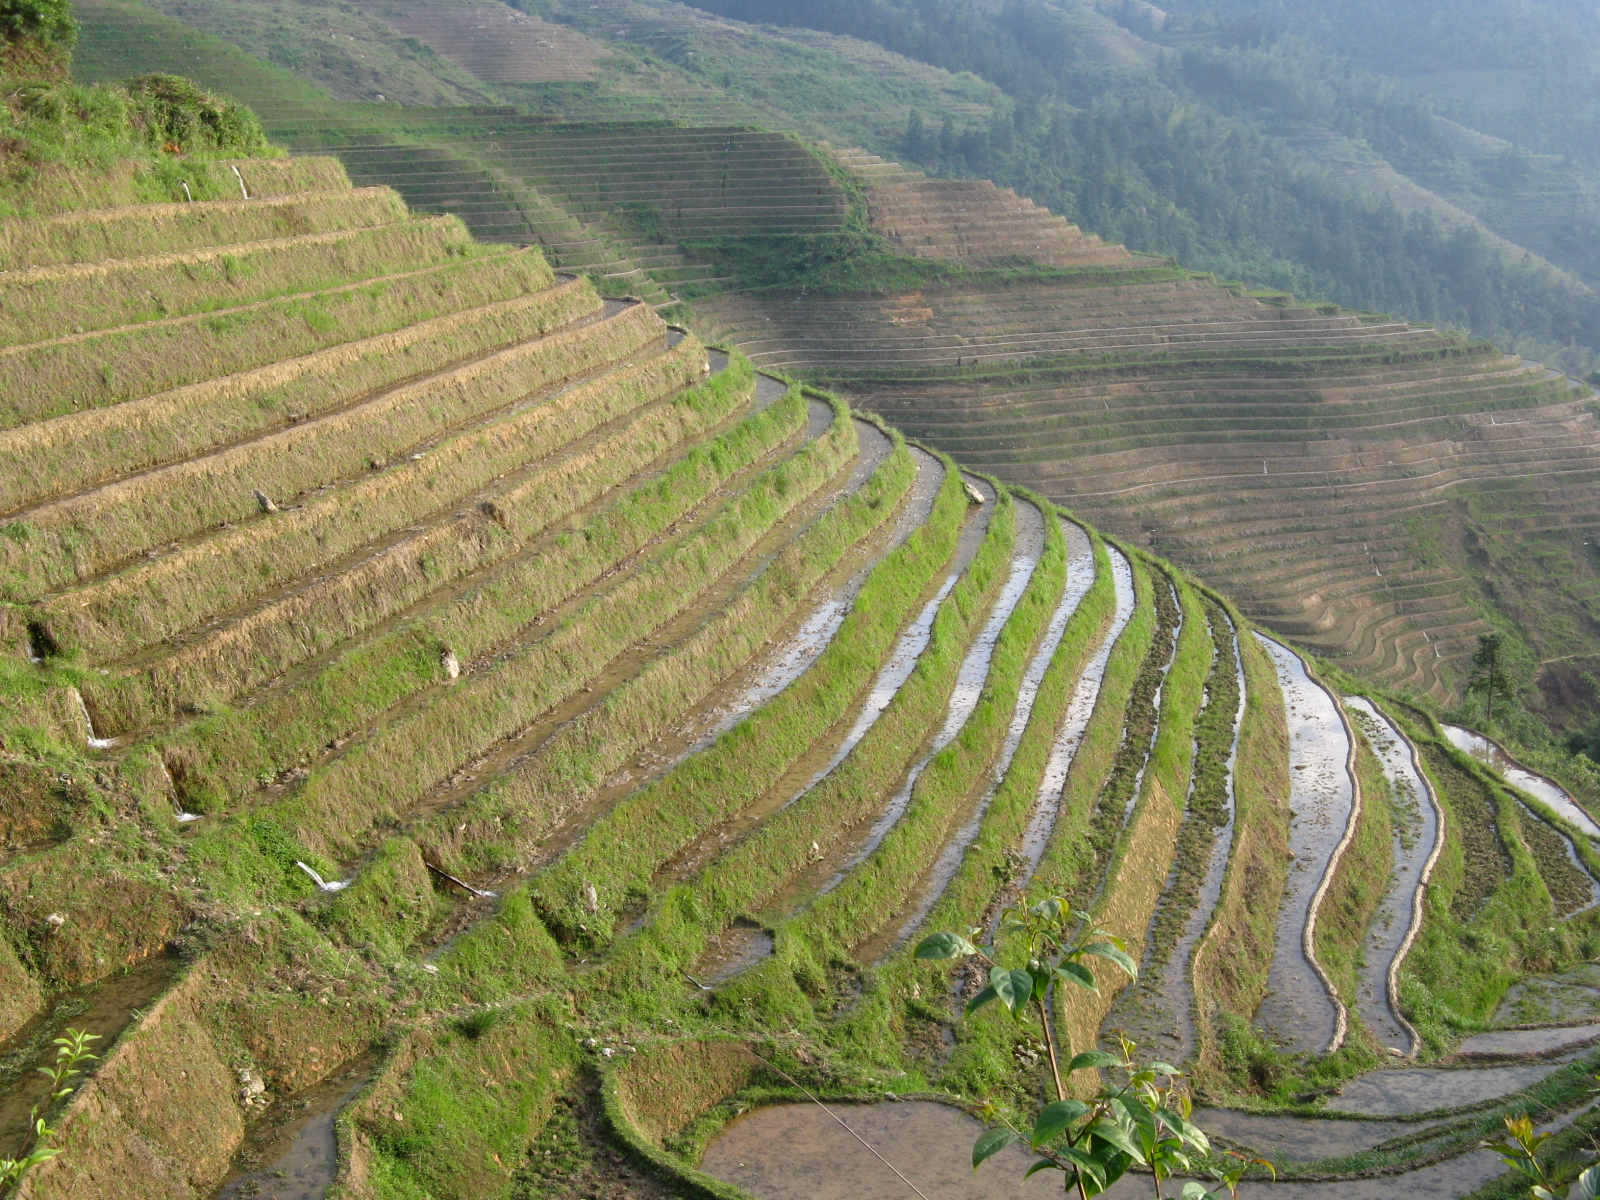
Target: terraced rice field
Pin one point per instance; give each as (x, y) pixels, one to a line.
(1355, 482)
(497, 43)
(461, 699)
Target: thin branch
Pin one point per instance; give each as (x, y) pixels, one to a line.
(835, 1116)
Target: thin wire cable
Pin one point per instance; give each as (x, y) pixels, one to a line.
(835, 1116)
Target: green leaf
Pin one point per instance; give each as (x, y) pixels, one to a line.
(1079, 974)
(1055, 1118)
(1190, 1135)
(1014, 987)
(984, 997)
(1121, 957)
(1091, 1166)
(990, 1142)
(1044, 1164)
(1587, 1186)
(1093, 1058)
(1114, 1134)
(1197, 1191)
(1049, 909)
(946, 945)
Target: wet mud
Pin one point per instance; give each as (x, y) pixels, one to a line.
(292, 1152)
(1300, 1139)
(104, 1009)
(732, 952)
(829, 866)
(1413, 1090)
(1541, 788)
(797, 1152)
(1299, 1011)
(913, 641)
(1417, 821)
(1531, 1042)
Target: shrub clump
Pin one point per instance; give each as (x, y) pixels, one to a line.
(48, 21)
(155, 121)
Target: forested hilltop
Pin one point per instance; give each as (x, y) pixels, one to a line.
(1435, 161)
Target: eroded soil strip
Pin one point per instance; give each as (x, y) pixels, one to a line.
(1418, 822)
(1299, 1010)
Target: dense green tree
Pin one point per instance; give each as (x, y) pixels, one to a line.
(48, 21)
(1491, 675)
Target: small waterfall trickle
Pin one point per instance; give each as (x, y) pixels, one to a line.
(95, 743)
(172, 791)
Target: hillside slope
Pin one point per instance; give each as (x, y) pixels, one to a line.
(444, 696)
(1373, 489)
